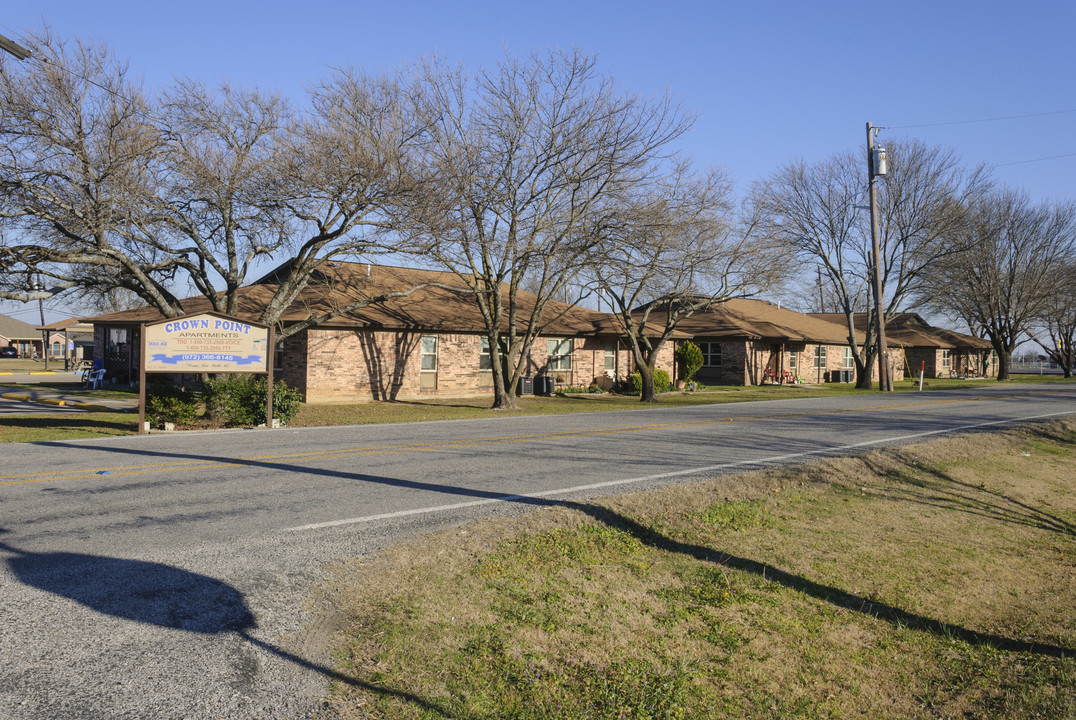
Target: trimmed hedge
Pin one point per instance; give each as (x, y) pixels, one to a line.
(662, 381)
(166, 403)
(241, 399)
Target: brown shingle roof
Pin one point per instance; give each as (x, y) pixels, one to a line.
(911, 330)
(72, 325)
(435, 308)
(14, 329)
(742, 318)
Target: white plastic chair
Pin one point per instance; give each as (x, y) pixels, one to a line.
(97, 378)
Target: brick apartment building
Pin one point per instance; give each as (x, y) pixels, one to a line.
(428, 343)
(431, 342)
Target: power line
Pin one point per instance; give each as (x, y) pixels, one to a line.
(1021, 162)
(23, 54)
(981, 120)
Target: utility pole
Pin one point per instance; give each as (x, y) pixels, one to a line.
(821, 295)
(36, 286)
(13, 48)
(885, 383)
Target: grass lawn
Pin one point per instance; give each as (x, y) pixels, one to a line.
(929, 581)
(65, 426)
(411, 411)
(28, 365)
(39, 427)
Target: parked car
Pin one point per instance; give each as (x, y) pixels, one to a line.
(9, 352)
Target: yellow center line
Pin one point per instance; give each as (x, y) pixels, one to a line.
(202, 464)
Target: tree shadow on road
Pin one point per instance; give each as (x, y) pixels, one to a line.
(167, 597)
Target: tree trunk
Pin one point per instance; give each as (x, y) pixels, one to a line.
(1004, 360)
(863, 374)
(648, 394)
(504, 397)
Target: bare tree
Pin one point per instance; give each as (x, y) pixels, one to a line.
(814, 211)
(104, 189)
(526, 159)
(1010, 271)
(677, 248)
(79, 160)
(1055, 330)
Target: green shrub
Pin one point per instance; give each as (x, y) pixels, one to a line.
(241, 399)
(689, 359)
(166, 403)
(580, 390)
(662, 382)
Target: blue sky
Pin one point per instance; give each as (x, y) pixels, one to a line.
(769, 81)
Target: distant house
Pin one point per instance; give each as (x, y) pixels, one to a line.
(938, 352)
(429, 343)
(68, 339)
(22, 336)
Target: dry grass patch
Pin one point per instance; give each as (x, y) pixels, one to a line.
(929, 581)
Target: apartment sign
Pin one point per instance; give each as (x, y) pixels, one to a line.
(206, 343)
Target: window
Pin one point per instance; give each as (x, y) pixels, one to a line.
(946, 360)
(428, 377)
(820, 357)
(485, 358)
(610, 358)
(792, 355)
(849, 362)
(560, 360)
(711, 354)
(560, 354)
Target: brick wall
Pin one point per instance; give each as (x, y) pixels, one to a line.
(754, 362)
(733, 367)
(290, 364)
(361, 365)
(929, 359)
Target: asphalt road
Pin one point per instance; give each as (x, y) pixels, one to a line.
(171, 576)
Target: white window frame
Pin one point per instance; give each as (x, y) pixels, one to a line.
(821, 357)
(559, 351)
(428, 375)
(559, 359)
